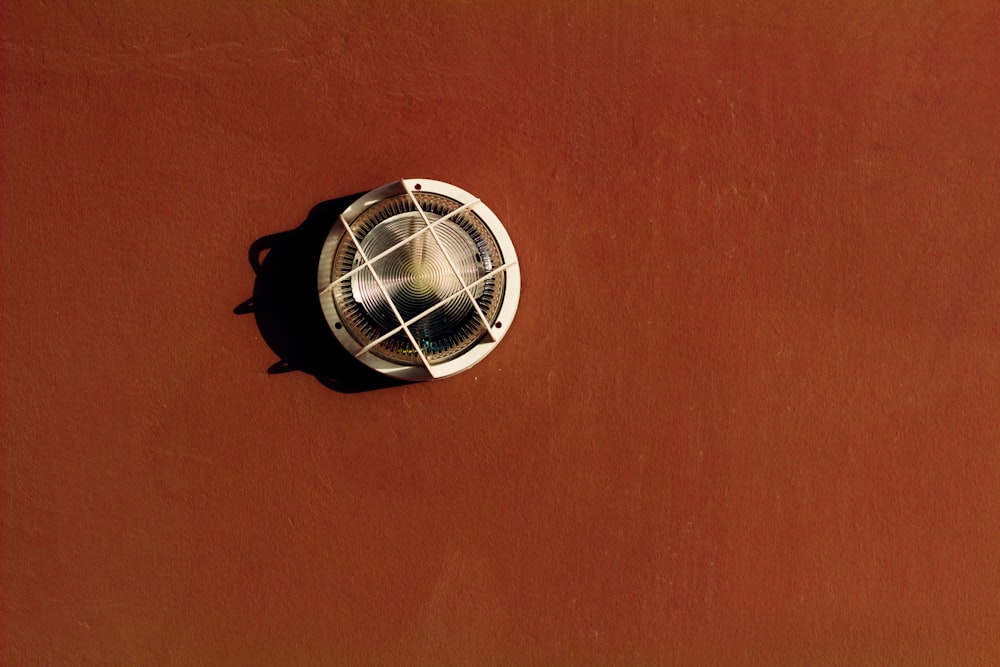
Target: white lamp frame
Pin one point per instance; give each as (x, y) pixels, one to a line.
(426, 370)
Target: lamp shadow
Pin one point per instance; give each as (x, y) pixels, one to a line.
(287, 309)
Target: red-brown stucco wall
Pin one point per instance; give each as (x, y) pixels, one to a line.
(748, 412)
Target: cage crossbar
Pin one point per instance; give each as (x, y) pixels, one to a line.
(427, 228)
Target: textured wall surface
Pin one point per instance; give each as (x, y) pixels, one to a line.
(748, 412)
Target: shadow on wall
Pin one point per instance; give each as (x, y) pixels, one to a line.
(287, 308)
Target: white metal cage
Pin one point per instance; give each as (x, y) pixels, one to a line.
(419, 280)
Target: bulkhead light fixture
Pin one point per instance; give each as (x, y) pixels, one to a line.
(418, 280)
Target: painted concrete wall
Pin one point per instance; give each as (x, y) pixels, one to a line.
(748, 412)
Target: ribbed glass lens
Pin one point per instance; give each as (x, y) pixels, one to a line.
(417, 275)
(422, 285)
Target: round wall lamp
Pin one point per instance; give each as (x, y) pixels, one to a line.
(418, 280)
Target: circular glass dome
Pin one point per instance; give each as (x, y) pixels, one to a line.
(418, 279)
